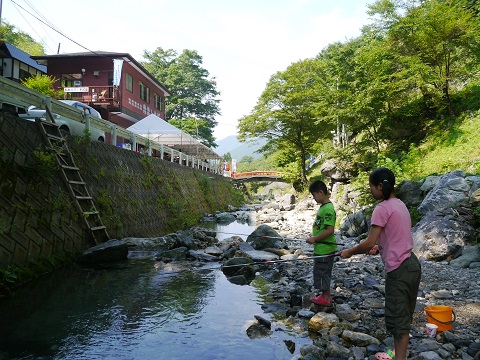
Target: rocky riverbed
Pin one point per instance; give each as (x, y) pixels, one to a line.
(354, 327)
(359, 308)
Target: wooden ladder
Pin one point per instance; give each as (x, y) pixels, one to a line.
(71, 176)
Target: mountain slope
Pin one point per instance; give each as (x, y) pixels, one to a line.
(237, 149)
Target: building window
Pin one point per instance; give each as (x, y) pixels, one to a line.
(129, 82)
(24, 73)
(157, 102)
(70, 80)
(144, 92)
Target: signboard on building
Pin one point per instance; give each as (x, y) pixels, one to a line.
(81, 89)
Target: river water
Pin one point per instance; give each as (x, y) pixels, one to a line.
(140, 309)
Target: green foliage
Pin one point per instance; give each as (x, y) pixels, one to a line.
(456, 147)
(43, 84)
(411, 72)
(7, 276)
(227, 157)
(45, 164)
(193, 103)
(20, 39)
(415, 216)
(289, 114)
(247, 159)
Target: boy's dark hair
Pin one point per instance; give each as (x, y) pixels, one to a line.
(316, 186)
(386, 178)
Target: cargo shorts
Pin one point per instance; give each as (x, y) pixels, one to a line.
(322, 273)
(401, 289)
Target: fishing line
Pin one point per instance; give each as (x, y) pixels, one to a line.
(273, 237)
(268, 262)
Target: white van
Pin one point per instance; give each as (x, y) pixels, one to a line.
(71, 126)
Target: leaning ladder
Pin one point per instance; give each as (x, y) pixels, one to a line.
(71, 176)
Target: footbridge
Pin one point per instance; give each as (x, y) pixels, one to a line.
(250, 176)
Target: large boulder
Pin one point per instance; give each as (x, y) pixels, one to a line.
(451, 191)
(111, 250)
(264, 237)
(337, 171)
(439, 235)
(409, 192)
(355, 224)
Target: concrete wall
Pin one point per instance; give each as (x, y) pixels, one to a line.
(137, 196)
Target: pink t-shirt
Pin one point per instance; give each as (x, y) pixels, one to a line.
(395, 239)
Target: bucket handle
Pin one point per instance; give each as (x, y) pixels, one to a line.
(443, 322)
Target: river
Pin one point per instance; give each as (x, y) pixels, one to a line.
(140, 309)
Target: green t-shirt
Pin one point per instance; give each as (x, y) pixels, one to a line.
(325, 216)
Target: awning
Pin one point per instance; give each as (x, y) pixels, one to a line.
(156, 129)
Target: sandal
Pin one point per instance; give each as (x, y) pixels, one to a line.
(319, 300)
(388, 355)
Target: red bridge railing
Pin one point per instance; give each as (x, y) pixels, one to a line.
(250, 174)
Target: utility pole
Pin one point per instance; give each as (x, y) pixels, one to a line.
(0, 10)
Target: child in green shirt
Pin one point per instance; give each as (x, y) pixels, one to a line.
(324, 243)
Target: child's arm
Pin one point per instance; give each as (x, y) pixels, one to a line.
(365, 246)
(329, 230)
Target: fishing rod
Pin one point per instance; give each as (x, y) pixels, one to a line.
(268, 262)
(273, 237)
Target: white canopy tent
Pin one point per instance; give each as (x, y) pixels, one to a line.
(156, 129)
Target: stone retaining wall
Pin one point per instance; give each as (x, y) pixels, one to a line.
(136, 195)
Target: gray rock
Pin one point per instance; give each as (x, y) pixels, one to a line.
(429, 183)
(312, 350)
(238, 280)
(354, 224)
(470, 254)
(256, 255)
(201, 255)
(177, 253)
(224, 218)
(442, 294)
(337, 351)
(264, 237)
(359, 339)
(429, 355)
(258, 331)
(441, 234)
(451, 191)
(409, 192)
(111, 250)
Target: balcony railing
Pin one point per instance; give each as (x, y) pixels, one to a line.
(97, 95)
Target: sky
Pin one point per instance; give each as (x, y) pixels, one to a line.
(242, 43)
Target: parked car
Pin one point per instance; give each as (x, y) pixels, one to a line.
(71, 126)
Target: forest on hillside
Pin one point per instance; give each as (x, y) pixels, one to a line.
(405, 88)
(403, 94)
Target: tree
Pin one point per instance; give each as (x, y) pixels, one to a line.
(19, 39)
(227, 157)
(247, 159)
(437, 43)
(288, 116)
(43, 84)
(193, 103)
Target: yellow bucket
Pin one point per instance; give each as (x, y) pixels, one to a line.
(440, 315)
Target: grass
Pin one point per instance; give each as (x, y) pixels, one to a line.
(446, 150)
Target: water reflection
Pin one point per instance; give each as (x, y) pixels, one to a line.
(136, 309)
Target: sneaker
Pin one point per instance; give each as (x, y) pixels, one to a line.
(319, 300)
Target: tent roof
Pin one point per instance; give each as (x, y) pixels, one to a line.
(160, 131)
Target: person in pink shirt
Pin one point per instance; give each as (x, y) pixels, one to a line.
(390, 235)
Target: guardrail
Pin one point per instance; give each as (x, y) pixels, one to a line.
(21, 97)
